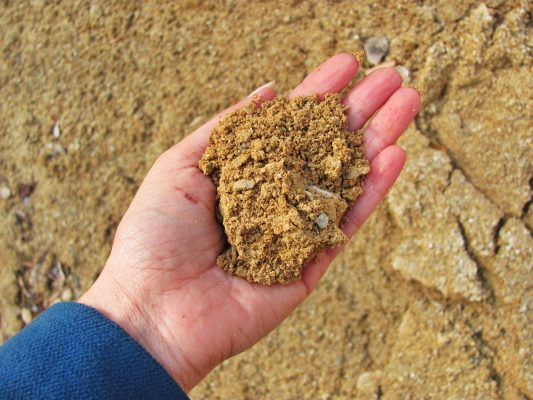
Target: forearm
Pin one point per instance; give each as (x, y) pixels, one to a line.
(73, 351)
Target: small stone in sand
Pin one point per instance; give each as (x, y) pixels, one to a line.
(66, 295)
(376, 48)
(25, 316)
(5, 192)
(322, 220)
(243, 184)
(404, 72)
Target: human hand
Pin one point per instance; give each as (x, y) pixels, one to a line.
(161, 282)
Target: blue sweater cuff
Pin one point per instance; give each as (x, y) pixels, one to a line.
(71, 351)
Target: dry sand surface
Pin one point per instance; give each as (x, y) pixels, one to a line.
(433, 298)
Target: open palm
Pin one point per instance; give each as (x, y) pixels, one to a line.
(161, 282)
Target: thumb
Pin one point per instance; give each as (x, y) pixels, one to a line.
(190, 150)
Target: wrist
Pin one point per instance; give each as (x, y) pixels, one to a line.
(128, 309)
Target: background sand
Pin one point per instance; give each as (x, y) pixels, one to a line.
(434, 297)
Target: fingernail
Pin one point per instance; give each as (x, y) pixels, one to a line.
(266, 85)
(386, 64)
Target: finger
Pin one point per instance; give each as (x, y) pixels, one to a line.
(330, 77)
(369, 94)
(390, 122)
(191, 148)
(384, 170)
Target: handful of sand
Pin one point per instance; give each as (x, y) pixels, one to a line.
(285, 174)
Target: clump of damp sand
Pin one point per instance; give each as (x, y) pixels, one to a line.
(285, 174)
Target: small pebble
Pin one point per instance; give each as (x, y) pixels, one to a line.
(26, 316)
(5, 192)
(322, 220)
(404, 72)
(376, 48)
(243, 184)
(66, 295)
(351, 173)
(355, 172)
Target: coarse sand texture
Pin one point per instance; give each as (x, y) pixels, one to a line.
(431, 299)
(285, 172)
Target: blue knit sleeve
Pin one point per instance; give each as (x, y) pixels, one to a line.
(71, 351)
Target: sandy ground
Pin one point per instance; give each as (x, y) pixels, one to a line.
(433, 298)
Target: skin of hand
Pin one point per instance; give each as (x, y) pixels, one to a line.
(161, 283)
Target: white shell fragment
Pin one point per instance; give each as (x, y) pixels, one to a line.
(56, 130)
(376, 48)
(316, 190)
(322, 220)
(243, 184)
(404, 72)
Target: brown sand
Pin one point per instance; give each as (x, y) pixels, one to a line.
(430, 300)
(285, 174)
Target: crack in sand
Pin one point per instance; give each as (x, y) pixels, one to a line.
(481, 268)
